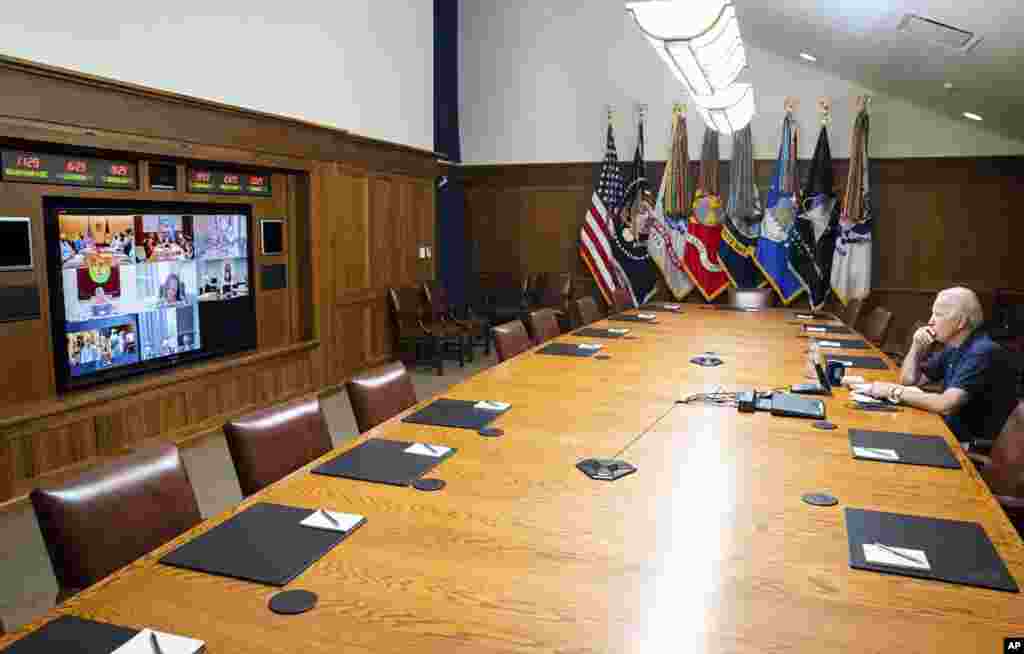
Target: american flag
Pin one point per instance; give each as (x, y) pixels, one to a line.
(595, 234)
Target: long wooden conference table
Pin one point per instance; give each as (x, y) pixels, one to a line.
(707, 548)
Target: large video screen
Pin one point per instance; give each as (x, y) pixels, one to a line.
(143, 287)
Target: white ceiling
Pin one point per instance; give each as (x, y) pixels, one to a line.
(859, 41)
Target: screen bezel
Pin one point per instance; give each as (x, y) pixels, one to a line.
(52, 207)
(263, 240)
(28, 228)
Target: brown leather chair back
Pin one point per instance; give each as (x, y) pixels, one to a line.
(510, 339)
(851, 313)
(543, 325)
(1008, 448)
(115, 513)
(587, 309)
(876, 325)
(751, 298)
(407, 307)
(379, 394)
(268, 444)
(555, 290)
(621, 300)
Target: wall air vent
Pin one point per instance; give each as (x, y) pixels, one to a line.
(949, 37)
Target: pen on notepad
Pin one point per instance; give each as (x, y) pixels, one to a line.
(899, 554)
(428, 446)
(330, 518)
(155, 643)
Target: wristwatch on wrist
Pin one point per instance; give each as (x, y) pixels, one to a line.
(896, 394)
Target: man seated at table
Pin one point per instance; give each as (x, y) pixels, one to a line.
(978, 376)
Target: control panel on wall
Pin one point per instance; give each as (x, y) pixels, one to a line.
(272, 236)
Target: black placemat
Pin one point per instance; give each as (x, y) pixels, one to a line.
(829, 329)
(874, 363)
(382, 461)
(628, 317)
(264, 543)
(72, 635)
(461, 414)
(958, 552)
(844, 344)
(566, 350)
(914, 450)
(597, 332)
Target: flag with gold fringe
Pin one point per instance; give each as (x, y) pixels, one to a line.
(771, 255)
(667, 240)
(743, 214)
(851, 264)
(704, 229)
(812, 223)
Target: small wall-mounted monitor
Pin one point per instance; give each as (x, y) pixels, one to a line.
(272, 232)
(15, 244)
(163, 177)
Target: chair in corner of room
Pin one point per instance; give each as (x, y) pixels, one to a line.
(412, 325)
(113, 514)
(379, 394)
(622, 300)
(510, 339)
(543, 325)
(850, 313)
(876, 325)
(474, 327)
(271, 443)
(587, 311)
(751, 298)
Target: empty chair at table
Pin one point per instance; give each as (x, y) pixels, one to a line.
(379, 394)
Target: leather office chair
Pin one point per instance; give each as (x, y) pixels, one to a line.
(543, 325)
(379, 394)
(876, 325)
(471, 325)
(113, 514)
(621, 300)
(510, 339)
(850, 314)
(414, 325)
(587, 309)
(751, 298)
(268, 444)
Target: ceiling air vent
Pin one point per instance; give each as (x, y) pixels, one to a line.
(952, 38)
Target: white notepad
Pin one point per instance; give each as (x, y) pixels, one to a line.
(881, 453)
(889, 555)
(436, 451)
(815, 329)
(346, 521)
(169, 644)
(617, 330)
(805, 316)
(672, 306)
(830, 344)
(646, 316)
(491, 405)
(864, 399)
(589, 346)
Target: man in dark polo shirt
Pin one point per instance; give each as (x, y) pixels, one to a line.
(978, 377)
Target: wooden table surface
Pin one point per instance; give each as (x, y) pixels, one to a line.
(707, 548)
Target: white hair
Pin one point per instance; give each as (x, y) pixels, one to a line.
(966, 305)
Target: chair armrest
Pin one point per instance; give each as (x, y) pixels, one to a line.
(979, 460)
(981, 445)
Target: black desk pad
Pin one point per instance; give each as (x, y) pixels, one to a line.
(629, 317)
(566, 350)
(913, 450)
(460, 414)
(659, 308)
(382, 461)
(829, 329)
(845, 344)
(264, 543)
(596, 332)
(958, 552)
(874, 363)
(72, 635)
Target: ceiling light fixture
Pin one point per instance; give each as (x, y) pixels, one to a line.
(968, 114)
(728, 111)
(947, 85)
(698, 40)
(808, 57)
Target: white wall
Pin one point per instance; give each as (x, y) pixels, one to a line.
(364, 66)
(536, 79)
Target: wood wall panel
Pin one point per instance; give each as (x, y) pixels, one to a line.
(26, 364)
(62, 447)
(383, 253)
(274, 318)
(940, 222)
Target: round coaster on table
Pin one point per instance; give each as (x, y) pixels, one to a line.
(601, 356)
(819, 499)
(428, 484)
(706, 361)
(823, 424)
(292, 602)
(490, 431)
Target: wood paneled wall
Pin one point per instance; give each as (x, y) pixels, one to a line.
(357, 213)
(940, 222)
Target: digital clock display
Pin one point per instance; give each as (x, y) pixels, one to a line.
(69, 171)
(228, 182)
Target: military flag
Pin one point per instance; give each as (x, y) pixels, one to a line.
(812, 223)
(851, 264)
(742, 224)
(704, 229)
(667, 241)
(771, 255)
